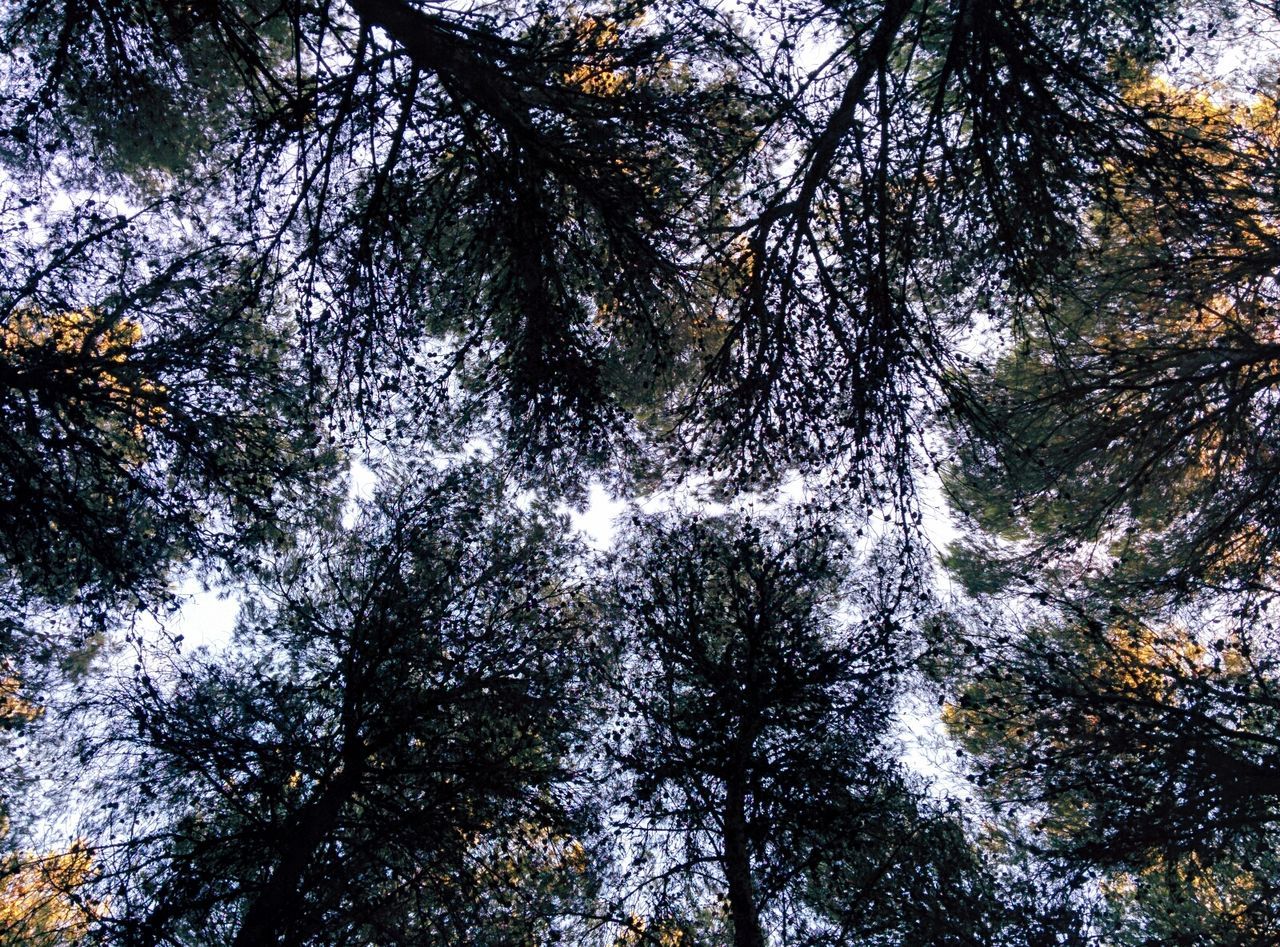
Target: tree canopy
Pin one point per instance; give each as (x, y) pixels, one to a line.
(777, 275)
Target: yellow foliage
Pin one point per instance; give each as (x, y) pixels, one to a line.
(86, 361)
(1227, 137)
(1215, 130)
(79, 333)
(14, 708)
(534, 857)
(39, 901)
(596, 76)
(1215, 324)
(662, 933)
(1137, 665)
(1225, 896)
(1138, 660)
(1223, 892)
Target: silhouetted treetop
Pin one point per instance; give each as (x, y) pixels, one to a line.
(756, 235)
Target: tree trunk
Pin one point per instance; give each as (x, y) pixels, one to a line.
(435, 48)
(737, 868)
(276, 907)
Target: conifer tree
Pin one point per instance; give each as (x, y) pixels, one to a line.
(384, 754)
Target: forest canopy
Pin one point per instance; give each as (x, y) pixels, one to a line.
(927, 347)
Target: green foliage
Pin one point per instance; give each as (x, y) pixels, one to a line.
(1122, 470)
(580, 225)
(1142, 753)
(754, 702)
(117, 462)
(1138, 411)
(241, 241)
(382, 754)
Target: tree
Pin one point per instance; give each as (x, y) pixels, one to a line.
(126, 460)
(40, 896)
(754, 699)
(619, 218)
(1139, 755)
(123, 458)
(1125, 480)
(562, 231)
(526, 203)
(123, 455)
(384, 754)
(1143, 401)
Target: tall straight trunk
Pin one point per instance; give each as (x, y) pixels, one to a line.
(737, 868)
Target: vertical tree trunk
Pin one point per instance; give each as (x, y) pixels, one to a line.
(737, 868)
(275, 909)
